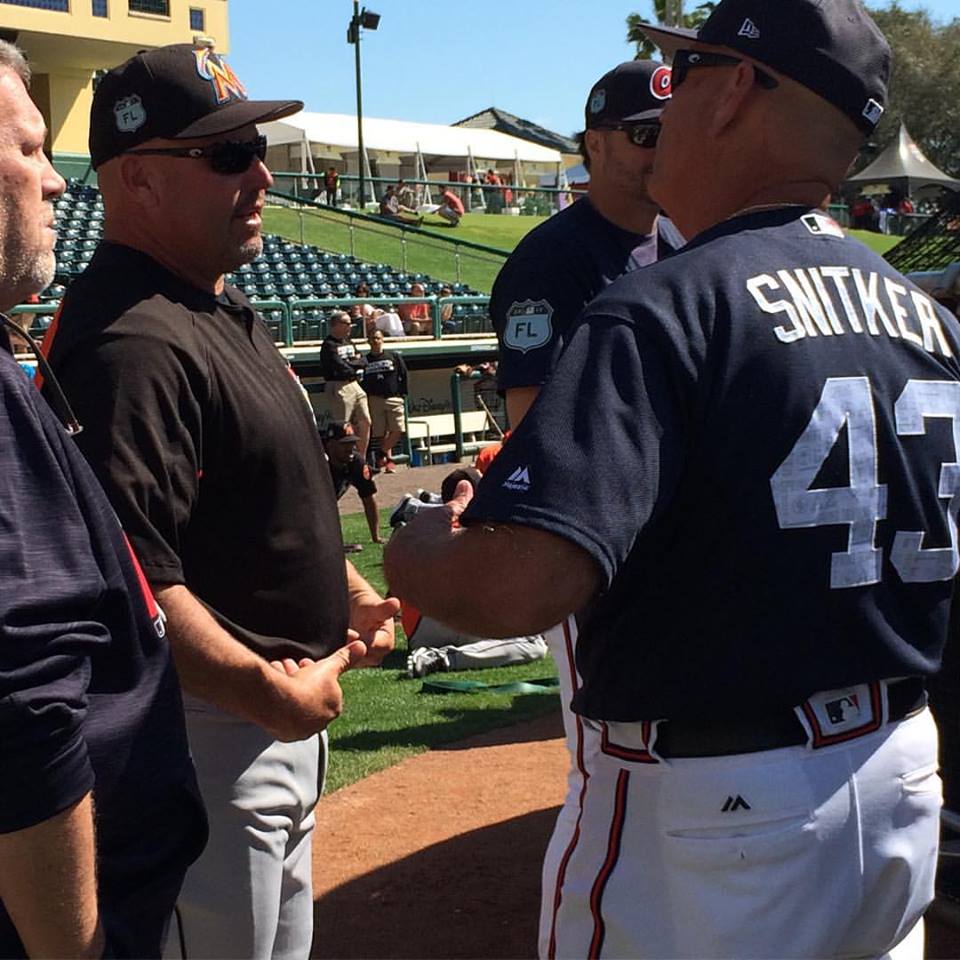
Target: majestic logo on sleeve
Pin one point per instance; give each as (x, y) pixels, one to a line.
(528, 325)
(215, 69)
(660, 83)
(518, 480)
(129, 114)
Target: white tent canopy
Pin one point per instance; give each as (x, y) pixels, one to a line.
(903, 161)
(337, 132)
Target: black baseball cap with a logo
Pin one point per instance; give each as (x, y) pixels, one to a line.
(831, 47)
(175, 93)
(630, 92)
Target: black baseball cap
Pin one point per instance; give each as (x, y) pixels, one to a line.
(831, 47)
(339, 431)
(635, 90)
(173, 92)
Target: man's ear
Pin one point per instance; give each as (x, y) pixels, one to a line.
(141, 181)
(593, 141)
(730, 97)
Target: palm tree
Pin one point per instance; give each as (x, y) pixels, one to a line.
(669, 13)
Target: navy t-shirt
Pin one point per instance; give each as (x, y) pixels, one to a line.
(89, 698)
(770, 421)
(554, 272)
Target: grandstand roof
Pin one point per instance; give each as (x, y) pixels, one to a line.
(404, 137)
(493, 118)
(904, 160)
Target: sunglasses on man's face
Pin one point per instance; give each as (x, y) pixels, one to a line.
(639, 134)
(684, 60)
(225, 156)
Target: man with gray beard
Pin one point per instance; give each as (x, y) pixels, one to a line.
(91, 720)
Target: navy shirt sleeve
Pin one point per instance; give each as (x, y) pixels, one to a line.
(626, 386)
(531, 306)
(148, 454)
(50, 585)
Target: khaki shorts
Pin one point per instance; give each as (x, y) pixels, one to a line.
(348, 402)
(386, 415)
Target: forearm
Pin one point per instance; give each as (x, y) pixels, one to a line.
(48, 884)
(519, 400)
(373, 517)
(514, 581)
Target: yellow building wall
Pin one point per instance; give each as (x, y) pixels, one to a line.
(65, 49)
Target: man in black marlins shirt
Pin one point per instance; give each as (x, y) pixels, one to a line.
(761, 576)
(99, 810)
(210, 454)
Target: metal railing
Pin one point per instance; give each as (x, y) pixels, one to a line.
(371, 238)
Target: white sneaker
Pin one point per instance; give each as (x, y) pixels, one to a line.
(426, 660)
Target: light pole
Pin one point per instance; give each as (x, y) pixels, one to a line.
(368, 20)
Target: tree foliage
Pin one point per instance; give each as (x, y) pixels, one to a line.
(924, 84)
(669, 13)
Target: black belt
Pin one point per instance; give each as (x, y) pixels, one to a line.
(704, 738)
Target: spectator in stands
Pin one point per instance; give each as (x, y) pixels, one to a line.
(388, 322)
(451, 207)
(89, 700)
(385, 381)
(341, 365)
(331, 181)
(447, 323)
(416, 316)
(435, 647)
(362, 312)
(390, 209)
(206, 445)
(347, 469)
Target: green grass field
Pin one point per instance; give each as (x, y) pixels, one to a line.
(386, 718)
(421, 253)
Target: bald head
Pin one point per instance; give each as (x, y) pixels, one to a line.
(730, 142)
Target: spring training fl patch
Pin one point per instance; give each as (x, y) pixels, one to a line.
(528, 325)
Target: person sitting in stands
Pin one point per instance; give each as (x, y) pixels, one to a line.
(347, 470)
(387, 322)
(416, 316)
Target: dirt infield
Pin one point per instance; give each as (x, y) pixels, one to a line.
(440, 855)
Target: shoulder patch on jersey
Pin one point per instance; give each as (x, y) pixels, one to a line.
(822, 226)
(528, 325)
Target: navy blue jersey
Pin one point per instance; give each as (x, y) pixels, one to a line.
(778, 416)
(89, 699)
(554, 272)
(385, 375)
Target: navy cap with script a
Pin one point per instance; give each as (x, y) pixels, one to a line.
(831, 47)
(175, 92)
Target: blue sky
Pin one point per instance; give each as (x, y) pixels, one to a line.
(534, 58)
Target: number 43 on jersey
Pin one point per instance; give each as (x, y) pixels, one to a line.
(848, 401)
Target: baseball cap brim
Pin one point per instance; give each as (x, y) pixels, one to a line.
(643, 115)
(237, 115)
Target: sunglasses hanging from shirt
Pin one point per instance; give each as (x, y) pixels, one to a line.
(225, 156)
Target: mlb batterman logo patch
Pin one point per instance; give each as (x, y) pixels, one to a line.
(130, 114)
(528, 325)
(598, 101)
